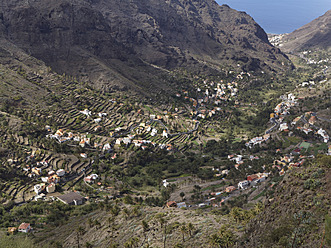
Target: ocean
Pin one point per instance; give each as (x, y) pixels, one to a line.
(280, 16)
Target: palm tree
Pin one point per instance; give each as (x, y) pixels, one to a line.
(215, 240)
(132, 242)
(90, 222)
(115, 210)
(190, 228)
(163, 224)
(97, 223)
(236, 214)
(88, 245)
(183, 230)
(227, 237)
(126, 212)
(145, 230)
(182, 194)
(258, 207)
(136, 211)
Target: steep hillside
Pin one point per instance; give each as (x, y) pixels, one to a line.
(296, 209)
(136, 226)
(316, 34)
(118, 44)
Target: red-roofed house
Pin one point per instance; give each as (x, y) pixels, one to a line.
(25, 227)
(252, 177)
(171, 204)
(230, 189)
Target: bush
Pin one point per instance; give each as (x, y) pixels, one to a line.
(312, 184)
(279, 234)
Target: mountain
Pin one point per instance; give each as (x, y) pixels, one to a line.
(316, 34)
(129, 44)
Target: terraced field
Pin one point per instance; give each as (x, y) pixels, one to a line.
(64, 101)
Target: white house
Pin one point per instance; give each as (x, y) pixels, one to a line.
(243, 184)
(38, 188)
(60, 172)
(154, 132)
(106, 147)
(25, 227)
(165, 183)
(86, 112)
(97, 120)
(165, 134)
(283, 126)
(126, 140)
(51, 188)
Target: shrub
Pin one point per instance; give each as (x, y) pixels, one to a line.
(312, 184)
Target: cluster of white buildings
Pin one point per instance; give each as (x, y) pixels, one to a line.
(276, 40)
(48, 184)
(126, 140)
(304, 84)
(214, 92)
(89, 113)
(312, 61)
(257, 140)
(283, 108)
(62, 136)
(253, 180)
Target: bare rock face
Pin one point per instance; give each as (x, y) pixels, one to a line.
(316, 34)
(115, 42)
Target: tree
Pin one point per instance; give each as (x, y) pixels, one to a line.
(115, 210)
(224, 238)
(182, 194)
(97, 223)
(163, 224)
(132, 242)
(127, 212)
(183, 230)
(236, 214)
(214, 240)
(136, 211)
(258, 208)
(88, 245)
(227, 237)
(90, 222)
(190, 228)
(146, 229)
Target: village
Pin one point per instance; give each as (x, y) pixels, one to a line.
(54, 178)
(284, 163)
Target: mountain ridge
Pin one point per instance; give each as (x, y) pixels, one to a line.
(114, 43)
(315, 34)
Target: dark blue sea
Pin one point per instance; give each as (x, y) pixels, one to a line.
(281, 16)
